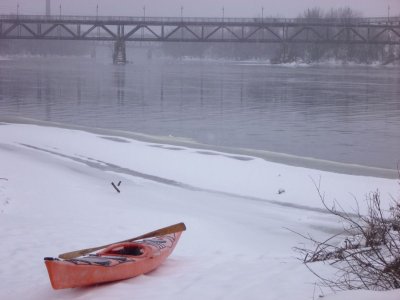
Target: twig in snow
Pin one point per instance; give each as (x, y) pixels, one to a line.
(115, 187)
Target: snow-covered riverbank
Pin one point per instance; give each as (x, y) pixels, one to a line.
(56, 196)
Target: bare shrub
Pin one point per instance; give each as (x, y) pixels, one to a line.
(368, 257)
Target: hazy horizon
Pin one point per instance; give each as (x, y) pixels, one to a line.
(205, 8)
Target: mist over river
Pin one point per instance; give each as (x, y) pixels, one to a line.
(342, 113)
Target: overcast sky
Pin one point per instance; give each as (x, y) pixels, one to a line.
(199, 8)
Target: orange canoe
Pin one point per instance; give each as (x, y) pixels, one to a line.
(116, 262)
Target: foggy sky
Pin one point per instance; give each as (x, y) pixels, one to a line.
(199, 8)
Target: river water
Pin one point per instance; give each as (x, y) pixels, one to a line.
(341, 113)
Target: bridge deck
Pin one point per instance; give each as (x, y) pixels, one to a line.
(115, 20)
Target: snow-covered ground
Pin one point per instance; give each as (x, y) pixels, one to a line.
(56, 196)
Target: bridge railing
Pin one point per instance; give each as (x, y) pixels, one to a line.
(197, 20)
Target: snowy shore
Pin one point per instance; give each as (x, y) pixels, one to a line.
(56, 196)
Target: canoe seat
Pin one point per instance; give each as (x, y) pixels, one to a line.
(133, 250)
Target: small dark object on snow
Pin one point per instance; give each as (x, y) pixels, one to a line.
(115, 187)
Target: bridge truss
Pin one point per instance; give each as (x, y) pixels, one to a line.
(226, 30)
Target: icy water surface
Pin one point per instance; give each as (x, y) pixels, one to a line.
(340, 113)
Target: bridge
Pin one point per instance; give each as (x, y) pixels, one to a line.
(383, 31)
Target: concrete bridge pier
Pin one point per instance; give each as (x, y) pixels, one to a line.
(119, 55)
(284, 58)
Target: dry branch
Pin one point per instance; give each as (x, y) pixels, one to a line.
(369, 256)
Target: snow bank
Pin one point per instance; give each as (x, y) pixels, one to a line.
(56, 196)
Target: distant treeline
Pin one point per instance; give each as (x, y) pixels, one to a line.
(344, 52)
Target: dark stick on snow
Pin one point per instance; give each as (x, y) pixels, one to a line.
(3, 179)
(119, 183)
(115, 187)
